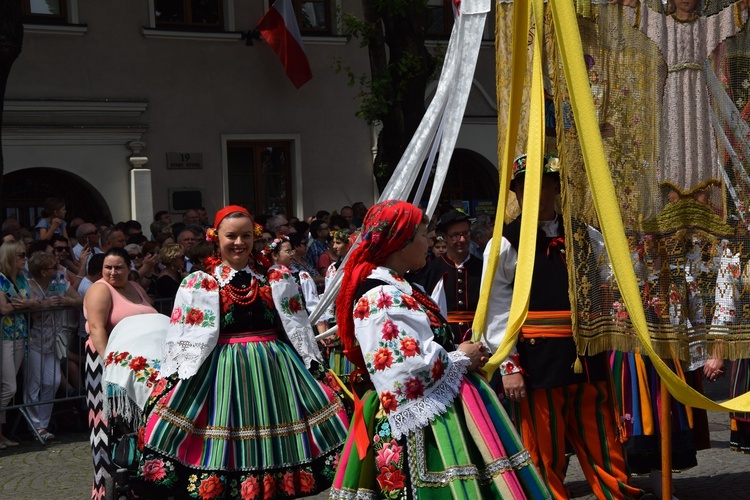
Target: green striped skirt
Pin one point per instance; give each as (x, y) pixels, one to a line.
(251, 423)
(472, 451)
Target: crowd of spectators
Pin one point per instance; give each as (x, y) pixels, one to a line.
(69, 260)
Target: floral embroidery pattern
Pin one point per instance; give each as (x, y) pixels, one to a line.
(395, 346)
(438, 370)
(206, 486)
(286, 484)
(291, 305)
(267, 296)
(513, 365)
(158, 471)
(331, 464)
(362, 310)
(414, 388)
(389, 460)
(144, 372)
(275, 275)
(388, 401)
(382, 359)
(204, 318)
(200, 281)
(389, 330)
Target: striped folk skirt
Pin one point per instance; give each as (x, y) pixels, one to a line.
(98, 429)
(739, 436)
(638, 395)
(472, 451)
(251, 423)
(337, 360)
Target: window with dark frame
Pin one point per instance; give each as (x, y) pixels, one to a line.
(260, 175)
(439, 18)
(440, 21)
(189, 14)
(314, 17)
(45, 11)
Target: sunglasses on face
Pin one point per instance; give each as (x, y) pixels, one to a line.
(62, 249)
(136, 255)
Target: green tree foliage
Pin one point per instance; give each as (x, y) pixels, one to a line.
(393, 94)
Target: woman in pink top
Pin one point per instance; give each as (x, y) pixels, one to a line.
(107, 302)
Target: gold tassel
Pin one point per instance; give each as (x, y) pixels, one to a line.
(578, 366)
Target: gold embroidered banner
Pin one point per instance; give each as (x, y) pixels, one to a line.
(670, 282)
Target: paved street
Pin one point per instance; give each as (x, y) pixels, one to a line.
(62, 470)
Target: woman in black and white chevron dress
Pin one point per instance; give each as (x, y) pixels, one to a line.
(106, 303)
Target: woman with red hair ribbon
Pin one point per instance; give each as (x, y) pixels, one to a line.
(237, 414)
(430, 415)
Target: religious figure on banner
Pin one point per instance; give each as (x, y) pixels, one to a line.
(689, 163)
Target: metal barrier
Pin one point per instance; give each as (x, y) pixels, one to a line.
(38, 372)
(164, 305)
(40, 364)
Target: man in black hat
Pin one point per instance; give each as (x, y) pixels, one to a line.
(557, 397)
(457, 273)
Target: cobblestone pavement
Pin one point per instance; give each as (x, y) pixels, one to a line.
(63, 470)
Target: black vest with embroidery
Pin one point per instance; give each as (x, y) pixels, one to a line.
(548, 363)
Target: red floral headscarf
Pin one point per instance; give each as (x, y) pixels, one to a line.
(388, 227)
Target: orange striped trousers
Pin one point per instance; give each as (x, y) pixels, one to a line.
(584, 415)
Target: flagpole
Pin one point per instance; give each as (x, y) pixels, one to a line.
(665, 426)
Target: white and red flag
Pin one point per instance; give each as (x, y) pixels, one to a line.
(280, 30)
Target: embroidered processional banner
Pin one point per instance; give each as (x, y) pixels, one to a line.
(672, 102)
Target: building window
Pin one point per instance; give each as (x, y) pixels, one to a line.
(439, 18)
(51, 11)
(314, 17)
(260, 175)
(189, 14)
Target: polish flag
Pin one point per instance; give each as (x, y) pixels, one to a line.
(280, 30)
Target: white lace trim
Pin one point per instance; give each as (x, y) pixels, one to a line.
(419, 413)
(304, 343)
(224, 281)
(360, 494)
(184, 358)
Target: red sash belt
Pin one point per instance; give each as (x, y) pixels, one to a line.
(547, 324)
(245, 337)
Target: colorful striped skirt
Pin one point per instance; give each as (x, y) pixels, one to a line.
(739, 436)
(337, 360)
(471, 451)
(637, 390)
(251, 423)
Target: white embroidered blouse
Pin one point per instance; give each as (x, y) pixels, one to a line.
(415, 377)
(194, 325)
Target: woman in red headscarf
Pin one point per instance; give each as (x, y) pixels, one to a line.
(431, 427)
(239, 415)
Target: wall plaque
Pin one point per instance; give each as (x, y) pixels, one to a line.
(184, 160)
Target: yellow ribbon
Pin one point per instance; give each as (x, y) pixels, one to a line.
(532, 184)
(521, 16)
